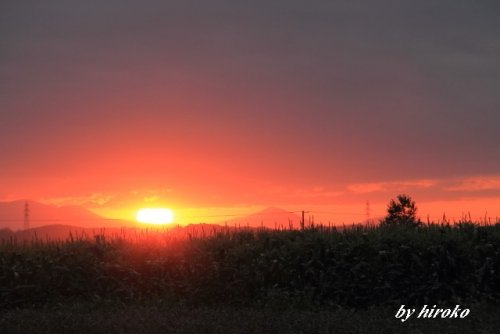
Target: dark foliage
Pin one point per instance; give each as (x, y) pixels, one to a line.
(402, 212)
(358, 267)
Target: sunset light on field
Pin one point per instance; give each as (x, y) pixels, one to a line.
(155, 216)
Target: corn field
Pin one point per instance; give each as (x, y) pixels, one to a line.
(356, 267)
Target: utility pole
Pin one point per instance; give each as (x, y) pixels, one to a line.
(302, 222)
(26, 216)
(367, 211)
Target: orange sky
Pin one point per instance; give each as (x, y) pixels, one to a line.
(232, 107)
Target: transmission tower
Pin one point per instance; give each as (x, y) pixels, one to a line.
(26, 216)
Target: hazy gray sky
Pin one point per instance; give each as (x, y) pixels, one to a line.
(246, 102)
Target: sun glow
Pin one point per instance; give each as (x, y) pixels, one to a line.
(155, 216)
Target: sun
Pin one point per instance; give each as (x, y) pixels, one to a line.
(157, 216)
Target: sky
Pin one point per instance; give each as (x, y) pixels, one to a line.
(223, 107)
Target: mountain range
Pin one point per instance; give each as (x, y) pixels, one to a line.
(12, 216)
(41, 216)
(51, 222)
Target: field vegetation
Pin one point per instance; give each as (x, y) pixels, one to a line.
(318, 267)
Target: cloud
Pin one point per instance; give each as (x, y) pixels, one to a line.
(92, 200)
(363, 188)
(476, 184)
(433, 188)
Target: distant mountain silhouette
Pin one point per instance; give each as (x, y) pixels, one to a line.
(65, 232)
(50, 222)
(12, 216)
(60, 223)
(133, 233)
(270, 218)
(48, 232)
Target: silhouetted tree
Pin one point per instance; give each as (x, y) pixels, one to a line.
(402, 212)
